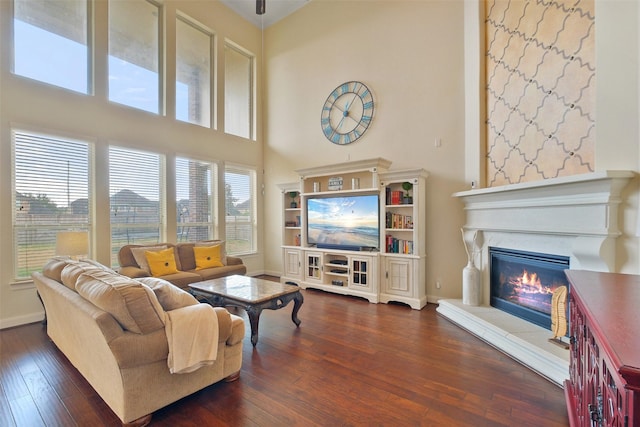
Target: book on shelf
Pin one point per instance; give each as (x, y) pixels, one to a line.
(398, 246)
(393, 197)
(394, 220)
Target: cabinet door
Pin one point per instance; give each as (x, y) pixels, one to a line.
(398, 277)
(362, 274)
(292, 264)
(313, 267)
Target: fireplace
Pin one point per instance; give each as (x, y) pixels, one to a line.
(575, 217)
(522, 283)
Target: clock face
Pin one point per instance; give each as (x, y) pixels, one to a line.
(347, 113)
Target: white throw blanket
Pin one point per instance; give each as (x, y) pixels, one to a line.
(192, 334)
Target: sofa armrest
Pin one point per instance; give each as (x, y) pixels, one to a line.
(232, 260)
(133, 272)
(231, 327)
(131, 350)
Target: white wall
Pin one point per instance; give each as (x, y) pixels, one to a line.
(617, 111)
(33, 104)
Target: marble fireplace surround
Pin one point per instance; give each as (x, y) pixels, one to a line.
(575, 216)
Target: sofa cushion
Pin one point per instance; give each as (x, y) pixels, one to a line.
(53, 268)
(170, 296)
(74, 269)
(207, 256)
(131, 303)
(183, 279)
(139, 254)
(215, 272)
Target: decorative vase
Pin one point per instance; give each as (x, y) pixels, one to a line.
(471, 284)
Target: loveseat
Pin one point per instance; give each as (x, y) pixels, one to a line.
(127, 336)
(133, 263)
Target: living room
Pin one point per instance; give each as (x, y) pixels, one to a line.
(422, 60)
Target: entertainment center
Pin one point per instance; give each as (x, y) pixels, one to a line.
(357, 229)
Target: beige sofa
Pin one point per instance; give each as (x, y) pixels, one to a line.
(185, 261)
(115, 331)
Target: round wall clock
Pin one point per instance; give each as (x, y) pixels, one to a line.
(347, 113)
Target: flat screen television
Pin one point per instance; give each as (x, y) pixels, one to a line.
(349, 222)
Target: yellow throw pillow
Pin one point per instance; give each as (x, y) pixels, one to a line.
(161, 262)
(207, 257)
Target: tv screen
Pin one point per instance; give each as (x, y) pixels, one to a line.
(346, 222)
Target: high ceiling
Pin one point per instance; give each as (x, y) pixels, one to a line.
(275, 10)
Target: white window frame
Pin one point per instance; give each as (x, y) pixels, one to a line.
(211, 116)
(251, 90)
(159, 107)
(88, 43)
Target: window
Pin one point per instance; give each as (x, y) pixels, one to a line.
(50, 42)
(195, 199)
(134, 56)
(240, 204)
(136, 198)
(50, 194)
(193, 73)
(238, 91)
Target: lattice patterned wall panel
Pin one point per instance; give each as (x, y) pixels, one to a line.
(540, 89)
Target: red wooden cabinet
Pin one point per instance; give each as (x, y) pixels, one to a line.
(604, 367)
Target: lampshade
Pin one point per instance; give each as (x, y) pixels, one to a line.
(72, 243)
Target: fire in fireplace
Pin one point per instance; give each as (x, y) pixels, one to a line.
(522, 283)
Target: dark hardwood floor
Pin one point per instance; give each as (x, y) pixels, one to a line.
(350, 363)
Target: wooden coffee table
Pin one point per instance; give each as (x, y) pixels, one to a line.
(251, 294)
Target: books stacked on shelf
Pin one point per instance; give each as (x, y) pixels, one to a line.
(393, 197)
(394, 220)
(398, 246)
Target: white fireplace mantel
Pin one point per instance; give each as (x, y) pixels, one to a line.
(575, 216)
(578, 213)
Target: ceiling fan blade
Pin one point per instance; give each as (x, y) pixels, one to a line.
(261, 7)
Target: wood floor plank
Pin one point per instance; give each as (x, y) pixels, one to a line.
(350, 363)
(6, 417)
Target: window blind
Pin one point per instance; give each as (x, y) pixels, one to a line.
(50, 194)
(240, 205)
(135, 197)
(196, 203)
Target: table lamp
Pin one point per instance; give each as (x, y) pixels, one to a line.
(73, 244)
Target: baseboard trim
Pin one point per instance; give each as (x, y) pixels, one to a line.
(22, 320)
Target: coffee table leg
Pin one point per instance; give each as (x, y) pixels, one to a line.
(254, 318)
(297, 303)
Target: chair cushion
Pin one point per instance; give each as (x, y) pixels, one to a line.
(162, 262)
(207, 256)
(131, 303)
